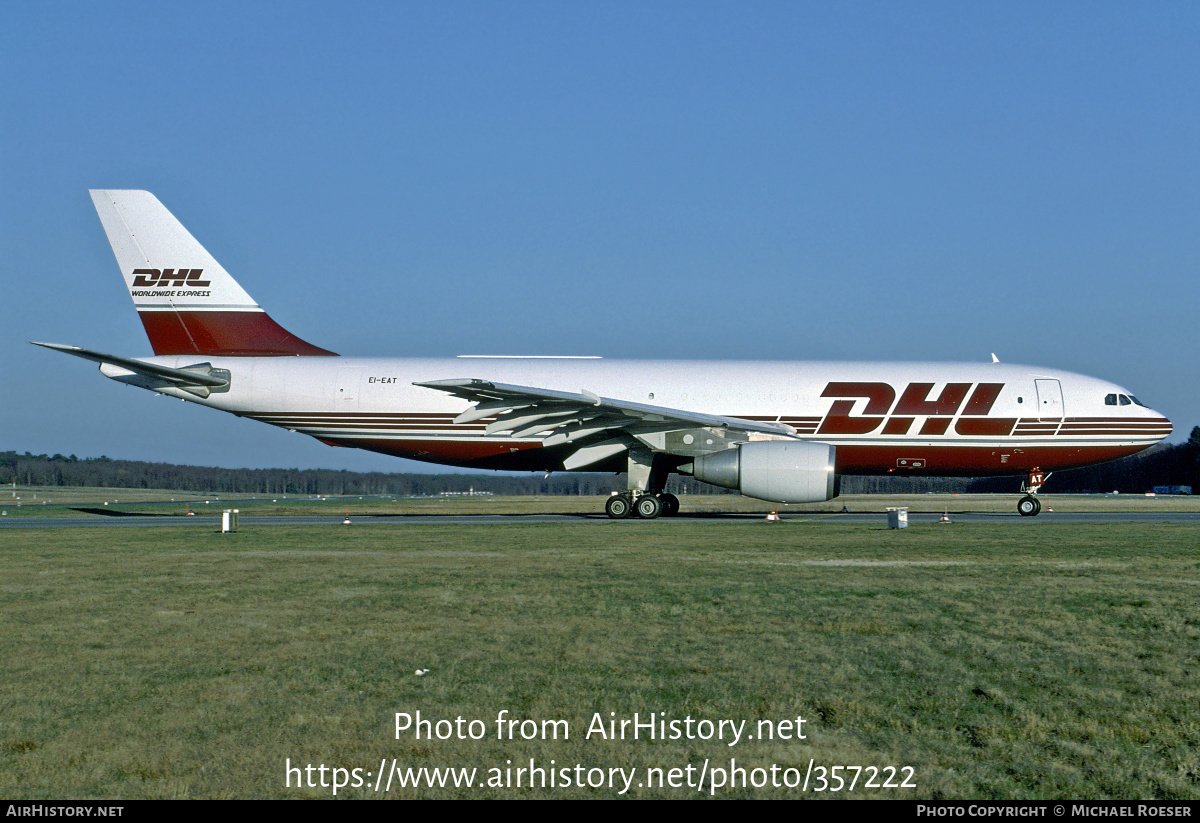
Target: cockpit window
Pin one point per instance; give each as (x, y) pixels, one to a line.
(1122, 400)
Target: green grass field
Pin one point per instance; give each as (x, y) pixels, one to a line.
(1058, 662)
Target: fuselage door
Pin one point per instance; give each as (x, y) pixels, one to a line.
(1050, 399)
(346, 394)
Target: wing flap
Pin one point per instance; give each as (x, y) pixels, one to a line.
(523, 411)
(590, 455)
(581, 431)
(520, 418)
(483, 409)
(544, 401)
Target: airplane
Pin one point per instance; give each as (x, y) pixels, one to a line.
(776, 431)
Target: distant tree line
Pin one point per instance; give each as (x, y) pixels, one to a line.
(1159, 466)
(59, 470)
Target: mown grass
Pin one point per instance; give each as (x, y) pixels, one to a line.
(1055, 662)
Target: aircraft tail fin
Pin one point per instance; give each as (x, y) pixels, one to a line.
(187, 302)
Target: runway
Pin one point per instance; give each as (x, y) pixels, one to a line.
(857, 518)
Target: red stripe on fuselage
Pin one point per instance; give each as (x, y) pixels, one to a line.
(975, 461)
(945, 461)
(512, 455)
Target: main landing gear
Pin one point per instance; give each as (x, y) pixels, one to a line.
(645, 497)
(646, 505)
(1029, 506)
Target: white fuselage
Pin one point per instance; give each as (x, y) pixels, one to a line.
(909, 418)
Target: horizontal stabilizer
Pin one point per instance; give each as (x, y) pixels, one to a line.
(200, 379)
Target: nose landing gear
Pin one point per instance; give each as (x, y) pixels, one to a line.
(1029, 506)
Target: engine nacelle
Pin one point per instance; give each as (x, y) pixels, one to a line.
(782, 471)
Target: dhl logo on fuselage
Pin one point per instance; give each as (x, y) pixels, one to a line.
(168, 278)
(897, 416)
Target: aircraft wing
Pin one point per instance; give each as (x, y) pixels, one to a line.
(200, 379)
(569, 418)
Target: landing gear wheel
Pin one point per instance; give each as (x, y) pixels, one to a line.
(617, 507)
(1029, 506)
(670, 504)
(648, 507)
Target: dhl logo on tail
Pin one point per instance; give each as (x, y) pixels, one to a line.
(177, 278)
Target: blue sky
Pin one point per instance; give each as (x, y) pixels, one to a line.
(794, 181)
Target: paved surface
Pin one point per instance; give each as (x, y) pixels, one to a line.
(871, 518)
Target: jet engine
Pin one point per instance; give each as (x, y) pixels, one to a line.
(782, 471)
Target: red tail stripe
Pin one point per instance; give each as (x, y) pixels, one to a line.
(244, 333)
